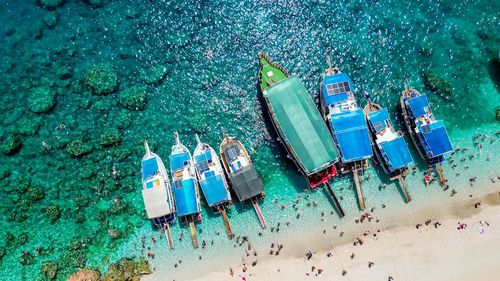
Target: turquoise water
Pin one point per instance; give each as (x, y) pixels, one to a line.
(121, 72)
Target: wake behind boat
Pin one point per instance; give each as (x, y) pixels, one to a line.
(347, 124)
(428, 134)
(298, 124)
(389, 145)
(212, 180)
(185, 186)
(242, 174)
(157, 192)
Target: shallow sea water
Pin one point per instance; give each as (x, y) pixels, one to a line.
(209, 51)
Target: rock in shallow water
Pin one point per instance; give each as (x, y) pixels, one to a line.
(110, 137)
(42, 100)
(50, 4)
(11, 145)
(50, 20)
(85, 275)
(134, 97)
(102, 79)
(53, 213)
(49, 269)
(78, 147)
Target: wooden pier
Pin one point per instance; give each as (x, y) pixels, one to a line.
(193, 233)
(402, 184)
(259, 213)
(222, 210)
(168, 235)
(359, 191)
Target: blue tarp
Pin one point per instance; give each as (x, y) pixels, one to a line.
(177, 160)
(397, 153)
(378, 119)
(437, 141)
(335, 79)
(185, 197)
(417, 105)
(351, 135)
(214, 190)
(149, 168)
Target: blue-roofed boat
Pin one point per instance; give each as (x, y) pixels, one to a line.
(157, 192)
(347, 124)
(428, 134)
(185, 186)
(389, 145)
(212, 180)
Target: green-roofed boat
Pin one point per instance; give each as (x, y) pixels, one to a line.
(298, 124)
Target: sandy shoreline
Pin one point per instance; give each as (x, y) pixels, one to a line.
(398, 250)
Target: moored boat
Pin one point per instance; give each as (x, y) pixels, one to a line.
(212, 180)
(428, 134)
(347, 124)
(298, 124)
(242, 174)
(185, 186)
(157, 193)
(389, 145)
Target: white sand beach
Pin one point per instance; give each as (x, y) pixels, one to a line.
(399, 250)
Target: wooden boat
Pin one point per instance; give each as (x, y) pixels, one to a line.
(347, 124)
(389, 146)
(242, 174)
(185, 187)
(298, 124)
(212, 180)
(157, 193)
(428, 134)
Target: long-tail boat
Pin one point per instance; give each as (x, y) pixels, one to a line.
(347, 124)
(298, 124)
(157, 193)
(242, 174)
(212, 180)
(428, 134)
(185, 187)
(389, 145)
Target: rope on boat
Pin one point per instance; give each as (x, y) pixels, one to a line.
(193, 233)
(334, 199)
(222, 210)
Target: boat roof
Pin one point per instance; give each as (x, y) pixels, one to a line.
(351, 134)
(378, 119)
(149, 168)
(336, 87)
(185, 197)
(418, 105)
(155, 199)
(214, 188)
(246, 183)
(177, 160)
(435, 136)
(301, 125)
(396, 153)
